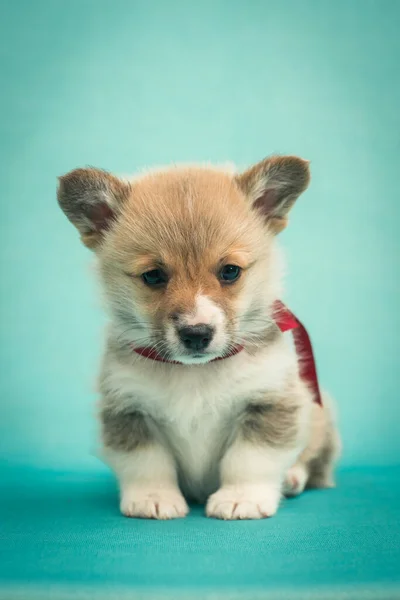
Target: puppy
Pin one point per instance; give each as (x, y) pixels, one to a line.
(201, 395)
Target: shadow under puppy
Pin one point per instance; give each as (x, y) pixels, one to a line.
(201, 396)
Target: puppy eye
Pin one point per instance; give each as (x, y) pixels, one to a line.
(155, 278)
(230, 273)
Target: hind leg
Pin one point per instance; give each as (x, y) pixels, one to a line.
(315, 473)
(315, 466)
(321, 467)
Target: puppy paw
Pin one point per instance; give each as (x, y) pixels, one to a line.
(153, 504)
(295, 481)
(243, 502)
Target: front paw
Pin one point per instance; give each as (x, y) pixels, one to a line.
(147, 503)
(243, 502)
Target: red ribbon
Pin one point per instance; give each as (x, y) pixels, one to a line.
(286, 321)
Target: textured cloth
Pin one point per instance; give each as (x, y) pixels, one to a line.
(63, 537)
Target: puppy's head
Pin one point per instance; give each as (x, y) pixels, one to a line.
(187, 255)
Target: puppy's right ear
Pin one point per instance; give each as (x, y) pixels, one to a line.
(273, 185)
(91, 199)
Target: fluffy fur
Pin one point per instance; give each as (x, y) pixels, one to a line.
(234, 433)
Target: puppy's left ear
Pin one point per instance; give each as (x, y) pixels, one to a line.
(273, 186)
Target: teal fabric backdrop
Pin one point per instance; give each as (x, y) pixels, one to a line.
(125, 84)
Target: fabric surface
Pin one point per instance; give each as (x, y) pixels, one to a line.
(63, 537)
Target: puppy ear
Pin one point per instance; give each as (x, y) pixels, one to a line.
(91, 199)
(273, 186)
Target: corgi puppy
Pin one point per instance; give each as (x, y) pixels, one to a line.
(201, 396)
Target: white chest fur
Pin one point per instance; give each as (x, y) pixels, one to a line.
(194, 406)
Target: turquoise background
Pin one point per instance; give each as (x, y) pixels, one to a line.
(123, 85)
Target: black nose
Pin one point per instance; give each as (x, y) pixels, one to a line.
(196, 337)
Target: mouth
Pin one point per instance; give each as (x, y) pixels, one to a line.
(196, 359)
(164, 353)
(206, 357)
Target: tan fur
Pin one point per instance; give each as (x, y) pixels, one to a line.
(166, 223)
